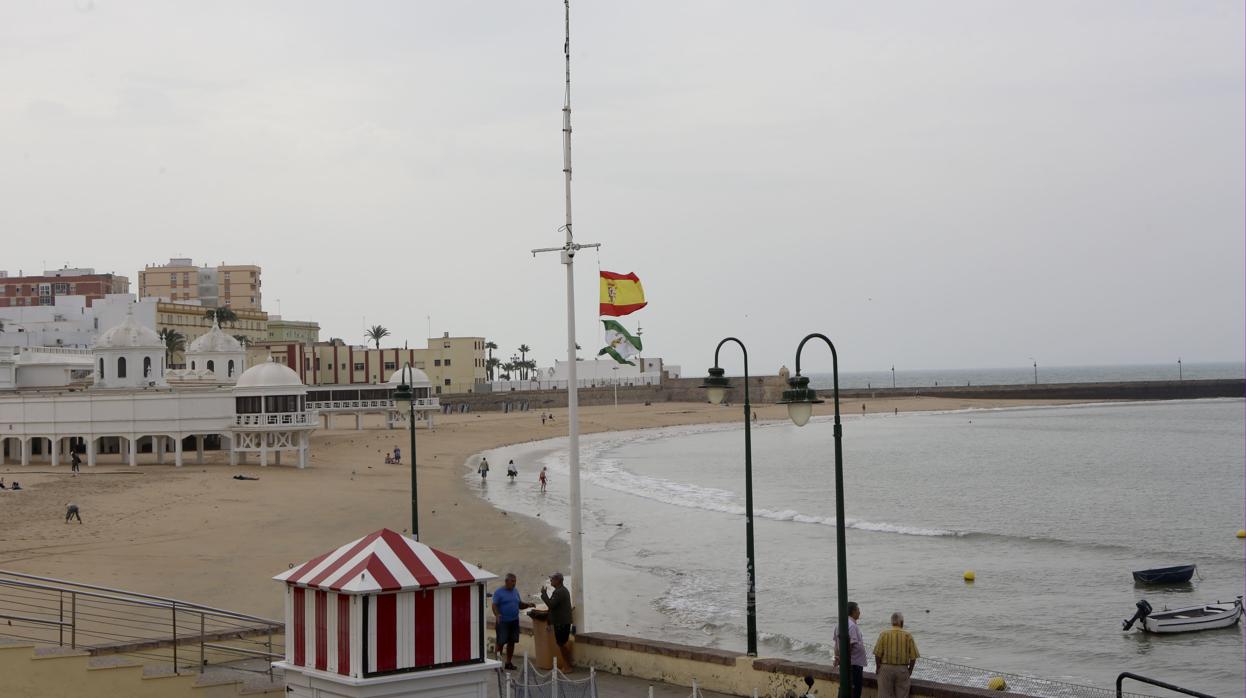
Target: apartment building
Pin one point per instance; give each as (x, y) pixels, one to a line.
(283, 331)
(19, 291)
(453, 364)
(234, 286)
(190, 319)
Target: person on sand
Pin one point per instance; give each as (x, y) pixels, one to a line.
(397, 455)
(559, 605)
(484, 468)
(542, 478)
(389, 460)
(856, 645)
(512, 470)
(542, 419)
(71, 512)
(895, 655)
(506, 607)
(16, 486)
(74, 462)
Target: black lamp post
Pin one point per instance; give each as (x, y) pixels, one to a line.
(800, 399)
(716, 386)
(404, 396)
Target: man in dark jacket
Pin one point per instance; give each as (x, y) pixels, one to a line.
(559, 605)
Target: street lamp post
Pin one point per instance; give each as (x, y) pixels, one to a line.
(404, 397)
(716, 386)
(1035, 373)
(893, 375)
(1180, 376)
(800, 399)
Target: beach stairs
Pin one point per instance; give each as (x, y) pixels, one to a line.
(35, 670)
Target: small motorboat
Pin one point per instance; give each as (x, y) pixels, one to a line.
(1165, 575)
(1183, 620)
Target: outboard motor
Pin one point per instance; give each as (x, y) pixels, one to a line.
(1144, 610)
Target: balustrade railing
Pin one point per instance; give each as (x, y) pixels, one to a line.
(280, 419)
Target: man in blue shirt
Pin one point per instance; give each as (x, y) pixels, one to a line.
(506, 607)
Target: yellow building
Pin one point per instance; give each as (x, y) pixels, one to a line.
(284, 331)
(191, 321)
(452, 364)
(234, 286)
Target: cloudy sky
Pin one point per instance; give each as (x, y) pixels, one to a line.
(932, 184)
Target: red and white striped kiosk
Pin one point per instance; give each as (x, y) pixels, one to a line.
(386, 615)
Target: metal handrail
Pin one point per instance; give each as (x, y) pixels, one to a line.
(1155, 682)
(124, 631)
(123, 595)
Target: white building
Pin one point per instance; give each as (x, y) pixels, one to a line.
(119, 398)
(70, 322)
(594, 373)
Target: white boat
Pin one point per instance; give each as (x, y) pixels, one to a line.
(1190, 618)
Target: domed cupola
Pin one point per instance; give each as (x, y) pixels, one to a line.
(129, 355)
(217, 353)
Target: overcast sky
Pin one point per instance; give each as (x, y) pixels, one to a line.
(932, 184)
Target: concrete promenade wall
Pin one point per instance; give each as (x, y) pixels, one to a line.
(769, 389)
(723, 671)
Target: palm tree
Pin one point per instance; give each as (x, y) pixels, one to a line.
(491, 364)
(376, 333)
(529, 367)
(243, 340)
(174, 342)
(506, 370)
(221, 315)
(488, 345)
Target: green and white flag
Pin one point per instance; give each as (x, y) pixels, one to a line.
(620, 343)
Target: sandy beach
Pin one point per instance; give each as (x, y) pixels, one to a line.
(195, 533)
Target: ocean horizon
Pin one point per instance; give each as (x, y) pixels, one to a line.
(1024, 375)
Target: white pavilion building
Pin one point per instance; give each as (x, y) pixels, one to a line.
(119, 398)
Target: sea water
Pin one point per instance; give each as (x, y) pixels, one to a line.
(1051, 507)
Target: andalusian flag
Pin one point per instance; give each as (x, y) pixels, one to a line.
(620, 343)
(621, 294)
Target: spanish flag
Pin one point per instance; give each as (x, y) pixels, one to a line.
(621, 294)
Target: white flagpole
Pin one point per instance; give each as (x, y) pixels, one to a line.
(568, 250)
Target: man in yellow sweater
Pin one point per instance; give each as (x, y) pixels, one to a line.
(895, 655)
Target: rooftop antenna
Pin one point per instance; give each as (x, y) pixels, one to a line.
(568, 250)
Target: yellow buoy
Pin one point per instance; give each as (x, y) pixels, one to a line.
(1241, 533)
(997, 683)
(968, 575)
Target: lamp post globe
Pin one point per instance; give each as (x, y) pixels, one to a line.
(800, 399)
(716, 385)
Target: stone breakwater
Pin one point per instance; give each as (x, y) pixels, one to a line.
(768, 390)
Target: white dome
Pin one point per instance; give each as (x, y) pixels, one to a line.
(268, 375)
(215, 341)
(129, 335)
(418, 377)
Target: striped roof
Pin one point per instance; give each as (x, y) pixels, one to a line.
(383, 561)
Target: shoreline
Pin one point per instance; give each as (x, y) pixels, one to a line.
(197, 534)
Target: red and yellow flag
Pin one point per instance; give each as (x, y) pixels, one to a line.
(621, 294)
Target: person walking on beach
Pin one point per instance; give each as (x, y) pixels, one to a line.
(542, 478)
(506, 607)
(71, 512)
(895, 654)
(397, 455)
(74, 462)
(856, 646)
(559, 605)
(512, 471)
(484, 468)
